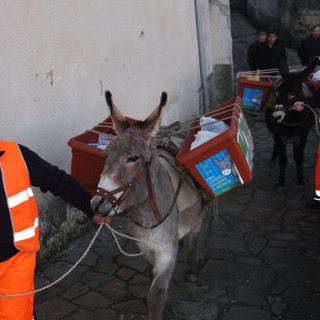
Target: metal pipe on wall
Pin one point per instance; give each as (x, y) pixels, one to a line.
(202, 55)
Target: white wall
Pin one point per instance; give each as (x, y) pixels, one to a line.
(58, 57)
(219, 17)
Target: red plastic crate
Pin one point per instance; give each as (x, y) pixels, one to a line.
(88, 161)
(315, 84)
(253, 92)
(236, 143)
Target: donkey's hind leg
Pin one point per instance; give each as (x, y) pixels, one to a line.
(193, 260)
(274, 155)
(157, 294)
(283, 160)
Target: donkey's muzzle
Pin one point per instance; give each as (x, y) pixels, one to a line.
(278, 112)
(101, 206)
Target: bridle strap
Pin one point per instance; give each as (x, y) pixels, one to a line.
(130, 185)
(181, 180)
(151, 197)
(109, 195)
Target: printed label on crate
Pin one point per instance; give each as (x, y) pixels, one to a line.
(245, 141)
(252, 98)
(220, 172)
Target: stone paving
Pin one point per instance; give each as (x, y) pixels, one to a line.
(260, 258)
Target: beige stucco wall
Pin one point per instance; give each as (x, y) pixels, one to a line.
(58, 57)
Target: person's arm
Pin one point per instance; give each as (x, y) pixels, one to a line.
(251, 57)
(50, 178)
(313, 102)
(259, 54)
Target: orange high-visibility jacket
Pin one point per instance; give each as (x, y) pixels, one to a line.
(21, 202)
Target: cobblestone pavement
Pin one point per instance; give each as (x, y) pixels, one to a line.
(260, 258)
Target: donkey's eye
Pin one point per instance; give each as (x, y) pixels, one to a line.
(133, 159)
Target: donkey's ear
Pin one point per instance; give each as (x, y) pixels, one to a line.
(307, 71)
(119, 121)
(151, 123)
(283, 67)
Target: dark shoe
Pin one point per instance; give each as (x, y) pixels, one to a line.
(313, 204)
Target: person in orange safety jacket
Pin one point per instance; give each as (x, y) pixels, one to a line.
(21, 168)
(313, 102)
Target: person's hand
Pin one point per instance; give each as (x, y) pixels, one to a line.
(100, 220)
(298, 106)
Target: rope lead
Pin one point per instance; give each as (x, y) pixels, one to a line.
(113, 232)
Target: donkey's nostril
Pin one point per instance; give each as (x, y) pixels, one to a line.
(95, 203)
(100, 206)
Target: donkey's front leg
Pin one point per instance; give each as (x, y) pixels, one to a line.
(157, 294)
(283, 160)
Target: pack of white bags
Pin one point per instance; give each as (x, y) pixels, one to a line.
(210, 128)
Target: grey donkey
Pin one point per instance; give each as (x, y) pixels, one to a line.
(135, 183)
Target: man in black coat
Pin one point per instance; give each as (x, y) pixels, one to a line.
(253, 48)
(270, 52)
(310, 47)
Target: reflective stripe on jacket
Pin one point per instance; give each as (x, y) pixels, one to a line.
(21, 202)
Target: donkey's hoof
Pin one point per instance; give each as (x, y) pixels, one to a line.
(191, 277)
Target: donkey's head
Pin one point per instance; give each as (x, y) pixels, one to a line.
(129, 155)
(291, 88)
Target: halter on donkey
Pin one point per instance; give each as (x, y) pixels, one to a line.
(286, 124)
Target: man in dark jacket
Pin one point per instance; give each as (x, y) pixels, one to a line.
(310, 47)
(270, 52)
(253, 48)
(19, 222)
(313, 102)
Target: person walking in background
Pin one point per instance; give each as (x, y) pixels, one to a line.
(270, 51)
(252, 56)
(19, 221)
(313, 102)
(310, 47)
